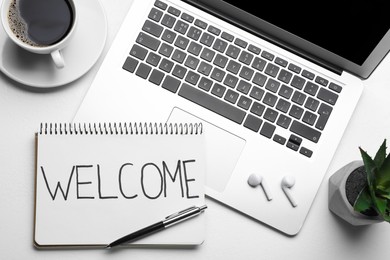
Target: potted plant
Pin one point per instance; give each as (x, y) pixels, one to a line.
(359, 192)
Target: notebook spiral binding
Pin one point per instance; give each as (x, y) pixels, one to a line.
(121, 128)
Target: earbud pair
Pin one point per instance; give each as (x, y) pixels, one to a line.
(255, 180)
(287, 183)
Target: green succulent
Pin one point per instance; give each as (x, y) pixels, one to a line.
(376, 194)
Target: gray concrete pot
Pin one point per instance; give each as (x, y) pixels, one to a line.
(338, 202)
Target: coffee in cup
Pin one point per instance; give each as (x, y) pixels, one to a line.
(40, 26)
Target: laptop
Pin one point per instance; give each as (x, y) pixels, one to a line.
(274, 85)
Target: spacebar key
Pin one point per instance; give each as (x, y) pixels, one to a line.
(214, 104)
(305, 131)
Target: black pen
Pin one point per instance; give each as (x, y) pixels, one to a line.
(166, 223)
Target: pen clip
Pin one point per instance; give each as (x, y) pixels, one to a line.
(180, 212)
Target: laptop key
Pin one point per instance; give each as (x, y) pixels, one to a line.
(279, 139)
(218, 90)
(212, 103)
(181, 42)
(168, 36)
(153, 59)
(267, 55)
(296, 111)
(152, 28)
(155, 14)
(166, 65)
(246, 73)
(321, 81)
(220, 45)
(220, 61)
(130, 64)
(160, 5)
(324, 111)
(233, 67)
(270, 115)
(168, 20)
(257, 93)
(143, 70)
(171, 84)
(285, 76)
(284, 121)
(272, 85)
(181, 27)
(294, 68)
(165, 50)
(227, 36)
(244, 87)
(194, 33)
(205, 84)
(259, 79)
(218, 74)
(244, 102)
(254, 49)
(312, 104)
(305, 131)
(138, 52)
(270, 99)
(306, 152)
(309, 118)
(187, 17)
(192, 77)
(285, 91)
(148, 41)
(214, 30)
(246, 57)
(335, 87)
(174, 11)
(204, 68)
(281, 62)
(231, 96)
(253, 123)
(327, 96)
(178, 56)
(298, 82)
(200, 24)
(232, 51)
(240, 43)
(308, 74)
(271, 70)
(156, 77)
(179, 71)
(267, 130)
(194, 48)
(257, 108)
(311, 88)
(207, 39)
(207, 54)
(191, 62)
(258, 64)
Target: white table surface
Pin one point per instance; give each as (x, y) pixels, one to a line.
(230, 235)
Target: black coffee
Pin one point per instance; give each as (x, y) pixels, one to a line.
(40, 22)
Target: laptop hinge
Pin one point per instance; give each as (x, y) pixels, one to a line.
(265, 36)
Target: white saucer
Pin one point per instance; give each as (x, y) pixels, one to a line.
(38, 70)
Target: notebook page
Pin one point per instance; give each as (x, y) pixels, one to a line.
(92, 189)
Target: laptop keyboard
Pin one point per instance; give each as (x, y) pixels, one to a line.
(231, 77)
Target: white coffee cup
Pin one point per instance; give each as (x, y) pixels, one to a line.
(55, 49)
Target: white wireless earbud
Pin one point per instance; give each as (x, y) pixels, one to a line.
(255, 180)
(287, 183)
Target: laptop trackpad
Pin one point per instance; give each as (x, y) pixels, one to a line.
(222, 149)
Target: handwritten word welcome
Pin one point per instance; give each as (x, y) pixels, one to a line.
(159, 174)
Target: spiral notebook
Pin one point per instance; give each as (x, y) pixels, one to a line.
(95, 183)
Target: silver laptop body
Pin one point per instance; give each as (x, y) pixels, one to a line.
(272, 103)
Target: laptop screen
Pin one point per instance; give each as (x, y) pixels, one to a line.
(351, 32)
(354, 38)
